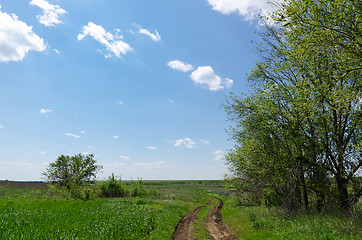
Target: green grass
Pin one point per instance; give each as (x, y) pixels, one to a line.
(53, 214)
(94, 219)
(272, 223)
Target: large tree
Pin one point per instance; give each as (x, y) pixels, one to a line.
(311, 72)
(72, 170)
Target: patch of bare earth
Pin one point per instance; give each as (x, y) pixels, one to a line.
(217, 229)
(183, 229)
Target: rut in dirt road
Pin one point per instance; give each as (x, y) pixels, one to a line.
(183, 229)
(217, 229)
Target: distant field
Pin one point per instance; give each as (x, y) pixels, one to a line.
(33, 185)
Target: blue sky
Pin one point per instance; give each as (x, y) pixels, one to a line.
(137, 83)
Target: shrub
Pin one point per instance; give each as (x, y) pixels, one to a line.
(113, 187)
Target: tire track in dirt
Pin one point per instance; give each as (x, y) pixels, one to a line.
(183, 228)
(217, 229)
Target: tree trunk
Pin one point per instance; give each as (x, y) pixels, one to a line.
(305, 193)
(342, 184)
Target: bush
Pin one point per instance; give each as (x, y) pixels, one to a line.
(113, 187)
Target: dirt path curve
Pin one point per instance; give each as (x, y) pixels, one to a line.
(183, 229)
(217, 229)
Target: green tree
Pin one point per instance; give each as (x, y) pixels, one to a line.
(72, 170)
(325, 39)
(307, 96)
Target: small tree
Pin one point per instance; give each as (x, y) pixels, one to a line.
(72, 170)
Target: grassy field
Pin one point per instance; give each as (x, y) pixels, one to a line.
(54, 214)
(49, 214)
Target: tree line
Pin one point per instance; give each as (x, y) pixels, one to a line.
(299, 133)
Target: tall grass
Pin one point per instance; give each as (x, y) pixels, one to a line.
(272, 223)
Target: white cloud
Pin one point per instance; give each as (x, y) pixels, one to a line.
(185, 142)
(42, 152)
(154, 36)
(120, 102)
(115, 137)
(56, 51)
(72, 135)
(178, 65)
(151, 148)
(1, 126)
(124, 157)
(171, 101)
(51, 13)
(249, 9)
(17, 38)
(82, 132)
(44, 111)
(114, 44)
(228, 82)
(204, 142)
(158, 164)
(219, 155)
(205, 76)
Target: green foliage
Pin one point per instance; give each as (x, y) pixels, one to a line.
(112, 188)
(72, 171)
(301, 125)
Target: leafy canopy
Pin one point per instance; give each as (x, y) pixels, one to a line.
(72, 170)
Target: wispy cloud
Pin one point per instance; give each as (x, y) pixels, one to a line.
(115, 137)
(120, 102)
(82, 132)
(1, 126)
(43, 152)
(17, 38)
(124, 157)
(219, 155)
(248, 9)
(45, 111)
(204, 142)
(151, 148)
(114, 165)
(51, 13)
(205, 76)
(24, 164)
(185, 142)
(158, 164)
(56, 51)
(72, 135)
(113, 43)
(154, 36)
(181, 66)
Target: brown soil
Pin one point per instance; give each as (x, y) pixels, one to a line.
(34, 185)
(217, 229)
(183, 228)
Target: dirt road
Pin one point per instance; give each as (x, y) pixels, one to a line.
(183, 229)
(216, 228)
